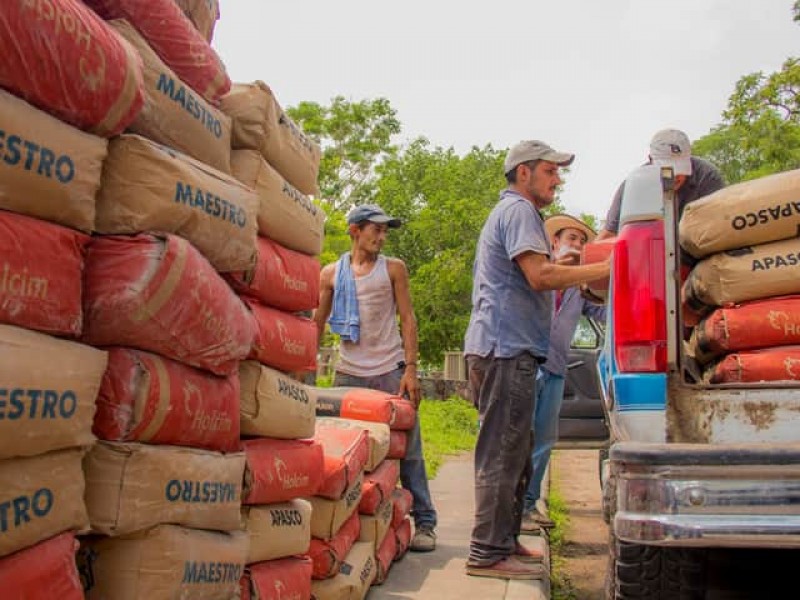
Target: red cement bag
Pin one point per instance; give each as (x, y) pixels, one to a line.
(328, 555)
(385, 556)
(59, 56)
(378, 486)
(402, 500)
(403, 535)
(398, 444)
(147, 398)
(281, 470)
(346, 452)
(283, 341)
(751, 325)
(41, 572)
(282, 278)
(366, 405)
(158, 293)
(174, 38)
(771, 364)
(41, 271)
(285, 578)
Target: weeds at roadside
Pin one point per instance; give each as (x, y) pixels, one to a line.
(561, 587)
(448, 427)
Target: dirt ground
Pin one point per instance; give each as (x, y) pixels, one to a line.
(585, 549)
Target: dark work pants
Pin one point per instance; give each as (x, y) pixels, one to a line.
(504, 391)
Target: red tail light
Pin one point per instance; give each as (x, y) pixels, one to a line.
(640, 328)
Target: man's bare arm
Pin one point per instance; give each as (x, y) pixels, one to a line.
(542, 274)
(325, 300)
(398, 273)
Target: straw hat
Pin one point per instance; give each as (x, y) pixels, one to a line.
(556, 223)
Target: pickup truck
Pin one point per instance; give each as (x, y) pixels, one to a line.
(693, 472)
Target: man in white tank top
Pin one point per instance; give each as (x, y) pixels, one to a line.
(363, 293)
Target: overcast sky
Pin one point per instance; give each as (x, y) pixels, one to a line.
(592, 77)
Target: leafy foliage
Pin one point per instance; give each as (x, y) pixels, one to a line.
(448, 427)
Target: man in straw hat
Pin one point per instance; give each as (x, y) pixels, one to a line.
(507, 338)
(567, 236)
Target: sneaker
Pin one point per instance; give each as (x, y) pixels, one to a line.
(508, 568)
(424, 540)
(527, 555)
(529, 525)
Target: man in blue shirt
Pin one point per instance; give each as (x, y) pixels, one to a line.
(568, 236)
(507, 338)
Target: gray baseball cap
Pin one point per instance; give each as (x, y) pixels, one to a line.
(535, 150)
(372, 213)
(671, 148)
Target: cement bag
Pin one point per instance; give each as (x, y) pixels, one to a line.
(354, 579)
(280, 470)
(203, 14)
(48, 392)
(282, 278)
(148, 187)
(175, 115)
(277, 579)
(754, 366)
(283, 341)
(595, 252)
(398, 444)
(328, 516)
(375, 527)
(366, 405)
(48, 170)
(327, 555)
(60, 57)
(157, 293)
(384, 557)
(147, 398)
(345, 452)
(40, 275)
(402, 500)
(749, 326)
(173, 37)
(378, 435)
(166, 562)
(285, 214)
(750, 213)
(40, 496)
(259, 123)
(403, 535)
(278, 530)
(378, 487)
(130, 487)
(42, 572)
(744, 274)
(266, 393)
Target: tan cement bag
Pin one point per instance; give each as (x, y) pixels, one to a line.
(274, 404)
(40, 496)
(48, 392)
(744, 274)
(327, 516)
(285, 214)
(58, 181)
(203, 14)
(165, 562)
(259, 123)
(278, 530)
(130, 487)
(374, 527)
(378, 434)
(355, 577)
(746, 214)
(148, 187)
(174, 114)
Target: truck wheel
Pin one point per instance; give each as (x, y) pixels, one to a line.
(654, 573)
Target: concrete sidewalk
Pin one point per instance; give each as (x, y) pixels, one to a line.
(440, 575)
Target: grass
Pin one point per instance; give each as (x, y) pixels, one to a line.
(561, 586)
(448, 427)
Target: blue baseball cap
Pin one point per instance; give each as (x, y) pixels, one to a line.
(372, 213)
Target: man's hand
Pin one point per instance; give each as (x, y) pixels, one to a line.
(409, 385)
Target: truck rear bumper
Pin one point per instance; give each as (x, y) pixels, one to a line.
(703, 495)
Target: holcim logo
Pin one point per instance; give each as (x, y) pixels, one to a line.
(289, 346)
(288, 481)
(280, 590)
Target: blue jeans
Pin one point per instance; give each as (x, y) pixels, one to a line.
(412, 467)
(549, 394)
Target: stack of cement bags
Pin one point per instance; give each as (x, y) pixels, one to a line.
(742, 295)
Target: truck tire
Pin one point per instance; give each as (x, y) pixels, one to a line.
(654, 573)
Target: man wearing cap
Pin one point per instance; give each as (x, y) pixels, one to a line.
(694, 177)
(568, 235)
(507, 338)
(361, 295)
